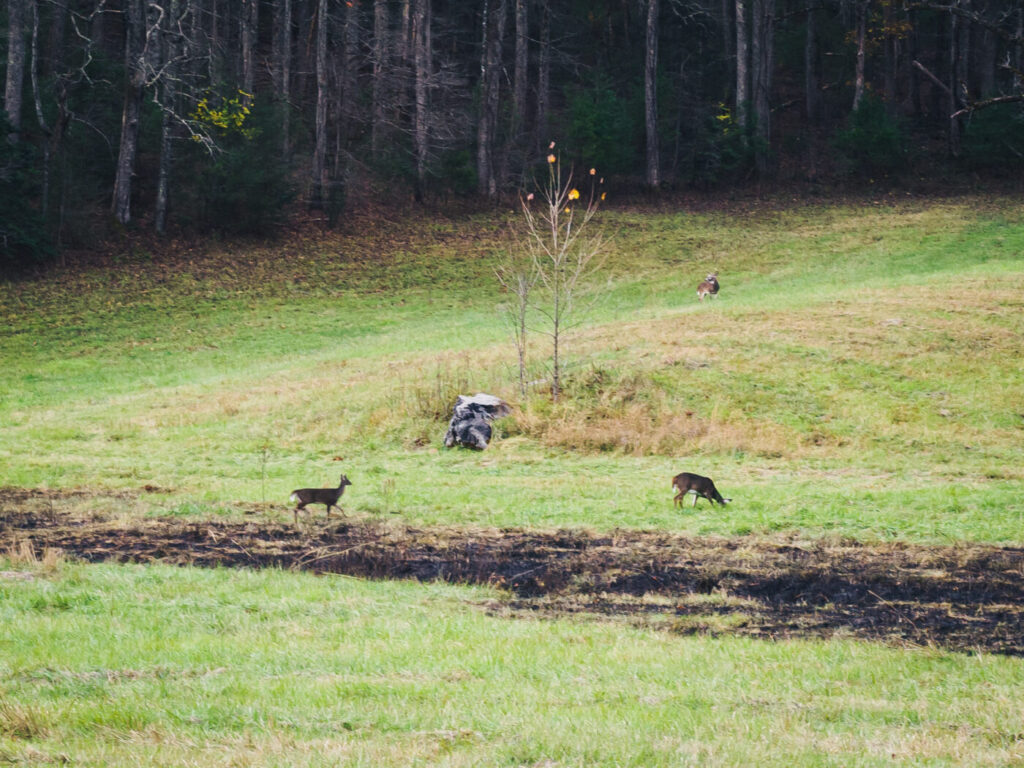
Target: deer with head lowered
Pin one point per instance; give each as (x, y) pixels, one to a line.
(709, 287)
(687, 482)
(326, 496)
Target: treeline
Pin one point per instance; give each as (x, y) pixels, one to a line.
(215, 114)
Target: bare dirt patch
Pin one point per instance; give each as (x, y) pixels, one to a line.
(968, 598)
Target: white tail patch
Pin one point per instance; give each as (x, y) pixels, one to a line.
(294, 498)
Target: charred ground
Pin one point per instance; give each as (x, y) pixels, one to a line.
(964, 597)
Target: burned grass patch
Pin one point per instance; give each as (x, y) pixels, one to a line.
(966, 598)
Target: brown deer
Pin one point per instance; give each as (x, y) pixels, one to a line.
(326, 496)
(687, 482)
(709, 287)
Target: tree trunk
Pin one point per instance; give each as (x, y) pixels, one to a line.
(953, 89)
(520, 73)
(13, 87)
(37, 99)
(350, 70)
(728, 40)
(320, 180)
(812, 81)
(651, 95)
(1018, 53)
(742, 68)
(420, 42)
(763, 64)
(862, 27)
(544, 77)
(172, 51)
(380, 47)
(404, 47)
(135, 37)
(490, 71)
(286, 76)
(250, 37)
(889, 41)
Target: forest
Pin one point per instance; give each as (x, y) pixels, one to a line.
(229, 116)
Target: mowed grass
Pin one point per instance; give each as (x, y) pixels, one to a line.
(130, 665)
(860, 374)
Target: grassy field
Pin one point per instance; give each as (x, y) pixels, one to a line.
(859, 376)
(132, 665)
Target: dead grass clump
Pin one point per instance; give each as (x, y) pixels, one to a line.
(18, 721)
(24, 553)
(604, 410)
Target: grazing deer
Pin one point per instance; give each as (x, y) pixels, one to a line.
(709, 287)
(326, 496)
(686, 482)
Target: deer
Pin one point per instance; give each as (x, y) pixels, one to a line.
(709, 287)
(326, 496)
(687, 482)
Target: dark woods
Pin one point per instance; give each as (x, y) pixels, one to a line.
(204, 115)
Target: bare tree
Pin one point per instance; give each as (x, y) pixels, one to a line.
(566, 257)
(320, 177)
(651, 95)
(517, 274)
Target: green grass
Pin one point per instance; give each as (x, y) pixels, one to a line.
(128, 665)
(860, 374)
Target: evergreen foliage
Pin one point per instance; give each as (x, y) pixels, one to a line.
(873, 141)
(24, 240)
(243, 186)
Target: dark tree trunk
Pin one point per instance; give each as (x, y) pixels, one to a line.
(169, 86)
(520, 73)
(889, 41)
(728, 43)
(742, 67)
(859, 69)
(286, 76)
(651, 95)
(812, 79)
(135, 38)
(349, 71)
(762, 66)
(320, 179)
(380, 48)
(250, 37)
(544, 77)
(490, 76)
(14, 84)
(421, 55)
(953, 86)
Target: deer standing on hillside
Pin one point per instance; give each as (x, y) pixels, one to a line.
(327, 496)
(687, 482)
(709, 287)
